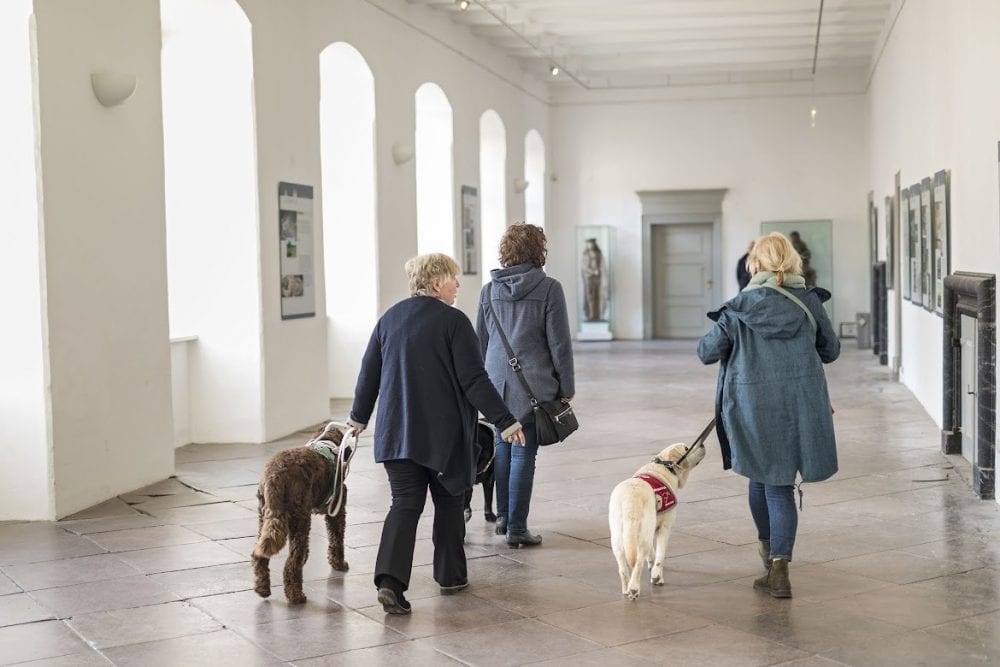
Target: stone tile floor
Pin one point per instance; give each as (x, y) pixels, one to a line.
(897, 563)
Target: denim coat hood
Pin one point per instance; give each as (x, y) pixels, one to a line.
(773, 409)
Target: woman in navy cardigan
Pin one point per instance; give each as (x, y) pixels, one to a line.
(423, 363)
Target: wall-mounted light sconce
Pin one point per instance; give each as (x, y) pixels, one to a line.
(112, 88)
(520, 185)
(402, 152)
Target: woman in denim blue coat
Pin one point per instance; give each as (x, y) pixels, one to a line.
(773, 411)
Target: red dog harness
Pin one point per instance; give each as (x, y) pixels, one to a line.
(665, 498)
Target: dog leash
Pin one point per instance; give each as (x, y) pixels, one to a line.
(670, 465)
(340, 456)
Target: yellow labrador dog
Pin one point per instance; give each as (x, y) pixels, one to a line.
(643, 509)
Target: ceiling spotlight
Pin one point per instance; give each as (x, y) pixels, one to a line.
(463, 4)
(554, 70)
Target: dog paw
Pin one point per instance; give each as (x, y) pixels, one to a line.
(263, 591)
(657, 581)
(490, 516)
(468, 515)
(633, 595)
(340, 566)
(295, 597)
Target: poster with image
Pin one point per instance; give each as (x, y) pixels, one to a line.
(941, 229)
(916, 253)
(905, 250)
(890, 243)
(470, 230)
(926, 246)
(295, 250)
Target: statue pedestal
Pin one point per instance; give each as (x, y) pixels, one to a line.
(599, 330)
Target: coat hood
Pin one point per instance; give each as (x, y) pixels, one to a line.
(515, 282)
(769, 313)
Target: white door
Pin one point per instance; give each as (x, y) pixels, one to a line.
(968, 388)
(682, 280)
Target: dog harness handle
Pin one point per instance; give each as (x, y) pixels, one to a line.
(340, 456)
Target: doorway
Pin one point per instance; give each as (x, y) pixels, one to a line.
(683, 282)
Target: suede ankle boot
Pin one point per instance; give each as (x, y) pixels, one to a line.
(764, 551)
(775, 581)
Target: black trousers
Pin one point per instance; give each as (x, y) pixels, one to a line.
(409, 483)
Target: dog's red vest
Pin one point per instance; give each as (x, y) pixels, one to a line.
(665, 498)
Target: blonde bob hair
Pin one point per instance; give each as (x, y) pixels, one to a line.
(423, 271)
(774, 253)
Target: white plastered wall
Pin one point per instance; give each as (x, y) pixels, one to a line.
(774, 165)
(405, 45)
(934, 105)
(104, 339)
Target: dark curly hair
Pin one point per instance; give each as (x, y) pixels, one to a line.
(523, 244)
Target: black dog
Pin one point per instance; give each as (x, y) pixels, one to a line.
(484, 471)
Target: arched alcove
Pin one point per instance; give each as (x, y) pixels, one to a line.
(534, 174)
(212, 225)
(493, 186)
(435, 171)
(347, 144)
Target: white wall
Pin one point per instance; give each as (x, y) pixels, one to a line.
(104, 252)
(404, 45)
(25, 479)
(774, 165)
(935, 105)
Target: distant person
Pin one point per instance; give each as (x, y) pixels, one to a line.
(773, 415)
(800, 246)
(742, 272)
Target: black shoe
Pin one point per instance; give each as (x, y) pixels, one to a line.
(454, 588)
(525, 539)
(501, 525)
(393, 602)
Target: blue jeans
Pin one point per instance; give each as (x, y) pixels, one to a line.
(514, 467)
(773, 510)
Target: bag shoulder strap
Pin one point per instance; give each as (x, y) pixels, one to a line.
(511, 357)
(797, 301)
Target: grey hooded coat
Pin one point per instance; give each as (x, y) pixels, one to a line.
(772, 407)
(532, 308)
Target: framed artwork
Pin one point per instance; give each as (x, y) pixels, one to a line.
(872, 230)
(470, 230)
(926, 246)
(905, 250)
(916, 253)
(295, 248)
(890, 242)
(941, 230)
(813, 239)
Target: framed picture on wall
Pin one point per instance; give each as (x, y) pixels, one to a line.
(916, 254)
(905, 250)
(941, 230)
(470, 230)
(295, 246)
(813, 240)
(926, 246)
(890, 242)
(872, 231)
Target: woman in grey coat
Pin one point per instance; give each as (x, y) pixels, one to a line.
(532, 311)
(773, 413)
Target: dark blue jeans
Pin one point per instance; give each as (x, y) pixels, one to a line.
(514, 467)
(773, 510)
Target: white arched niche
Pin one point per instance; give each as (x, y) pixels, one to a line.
(212, 224)
(534, 175)
(347, 151)
(435, 171)
(493, 187)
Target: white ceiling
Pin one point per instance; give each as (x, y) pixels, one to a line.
(642, 44)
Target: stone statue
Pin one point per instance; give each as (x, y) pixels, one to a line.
(594, 281)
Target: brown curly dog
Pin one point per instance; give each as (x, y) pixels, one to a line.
(296, 483)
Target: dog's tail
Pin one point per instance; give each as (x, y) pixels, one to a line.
(273, 528)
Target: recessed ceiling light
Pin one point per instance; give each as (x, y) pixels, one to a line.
(462, 4)
(554, 70)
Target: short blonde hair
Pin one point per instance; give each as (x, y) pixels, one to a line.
(423, 270)
(775, 253)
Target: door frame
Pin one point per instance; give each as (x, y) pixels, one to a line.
(678, 207)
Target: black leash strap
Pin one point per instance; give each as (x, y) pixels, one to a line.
(699, 440)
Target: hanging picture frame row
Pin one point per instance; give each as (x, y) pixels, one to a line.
(924, 216)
